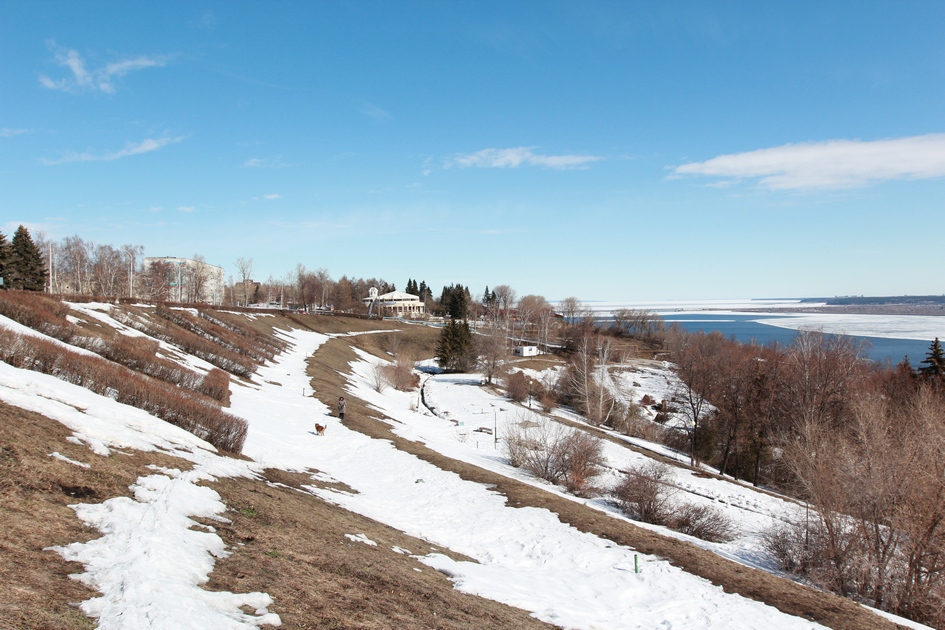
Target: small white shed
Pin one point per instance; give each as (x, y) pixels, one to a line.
(526, 351)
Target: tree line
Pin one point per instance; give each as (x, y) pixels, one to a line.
(862, 443)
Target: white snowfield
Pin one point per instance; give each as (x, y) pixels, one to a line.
(153, 557)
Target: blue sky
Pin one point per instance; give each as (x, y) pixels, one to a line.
(605, 150)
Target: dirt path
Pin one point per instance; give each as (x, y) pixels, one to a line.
(331, 363)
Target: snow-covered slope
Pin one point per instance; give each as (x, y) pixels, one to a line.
(524, 557)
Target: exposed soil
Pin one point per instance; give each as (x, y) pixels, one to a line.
(36, 490)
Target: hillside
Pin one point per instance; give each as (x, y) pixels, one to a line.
(361, 527)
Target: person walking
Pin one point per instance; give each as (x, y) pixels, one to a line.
(341, 407)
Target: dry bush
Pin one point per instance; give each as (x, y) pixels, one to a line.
(378, 377)
(400, 374)
(191, 343)
(216, 385)
(645, 493)
(516, 386)
(224, 337)
(548, 401)
(41, 313)
(391, 343)
(555, 453)
(47, 316)
(268, 344)
(583, 459)
(702, 521)
(170, 403)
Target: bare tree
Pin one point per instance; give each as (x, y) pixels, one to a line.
(504, 302)
(76, 263)
(198, 275)
(571, 309)
(529, 308)
(244, 267)
(696, 356)
(492, 349)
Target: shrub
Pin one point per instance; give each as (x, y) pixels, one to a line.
(555, 453)
(516, 386)
(216, 385)
(170, 403)
(400, 374)
(35, 310)
(645, 493)
(191, 343)
(582, 459)
(702, 521)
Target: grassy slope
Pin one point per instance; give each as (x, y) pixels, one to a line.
(292, 545)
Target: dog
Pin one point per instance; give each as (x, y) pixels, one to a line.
(320, 429)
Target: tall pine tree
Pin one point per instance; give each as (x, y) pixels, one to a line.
(455, 351)
(934, 363)
(27, 266)
(5, 254)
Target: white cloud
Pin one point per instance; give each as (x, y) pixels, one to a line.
(101, 79)
(186, 208)
(830, 164)
(272, 196)
(373, 111)
(132, 148)
(519, 156)
(9, 133)
(273, 162)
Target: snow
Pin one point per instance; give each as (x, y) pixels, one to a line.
(153, 556)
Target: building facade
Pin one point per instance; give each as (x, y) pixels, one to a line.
(182, 280)
(395, 304)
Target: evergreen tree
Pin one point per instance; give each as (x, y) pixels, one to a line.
(5, 254)
(412, 287)
(27, 266)
(425, 292)
(454, 301)
(934, 363)
(455, 351)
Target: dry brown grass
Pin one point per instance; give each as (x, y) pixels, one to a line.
(287, 543)
(293, 546)
(35, 493)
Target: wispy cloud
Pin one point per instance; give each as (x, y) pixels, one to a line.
(95, 79)
(273, 162)
(187, 209)
(519, 156)
(9, 133)
(132, 148)
(373, 111)
(830, 164)
(272, 196)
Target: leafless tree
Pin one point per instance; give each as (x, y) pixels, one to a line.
(492, 349)
(76, 263)
(244, 267)
(155, 281)
(529, 309)
(504, 303)
(696, 359)
(571, 309)
(197, 277)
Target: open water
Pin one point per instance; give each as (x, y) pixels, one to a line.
(744, 329)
